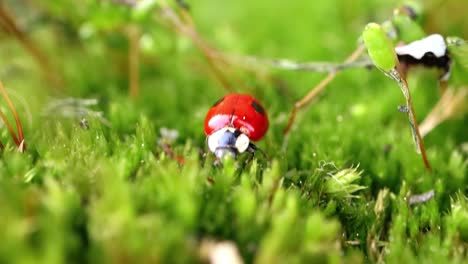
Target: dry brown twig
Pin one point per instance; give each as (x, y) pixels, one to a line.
(318, 88)
(9, 25)
(451, 104)
(254, 63)
(184, 25)
(133, 35)
(221, 64)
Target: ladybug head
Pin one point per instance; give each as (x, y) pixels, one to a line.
(228, 140)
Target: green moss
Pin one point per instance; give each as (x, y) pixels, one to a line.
(337, 191)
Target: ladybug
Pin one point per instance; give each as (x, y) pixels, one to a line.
(233, 122)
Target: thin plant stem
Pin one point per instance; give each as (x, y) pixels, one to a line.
(420, 149)
(19, 139)
(9, 127)
(317, 89)
(188, 30)
(134, 61)
(9, 25)
(289, 65)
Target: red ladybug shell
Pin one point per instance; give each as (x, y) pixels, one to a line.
(240, 111)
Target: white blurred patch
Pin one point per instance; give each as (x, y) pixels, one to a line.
(213, 139)
(242, 143)
(74, 108)
(225, 252)
(434, 43)
(169, 135)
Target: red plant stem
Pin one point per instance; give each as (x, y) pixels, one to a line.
(9, 127)
(414, 122)
(397, 74)
(19, 127)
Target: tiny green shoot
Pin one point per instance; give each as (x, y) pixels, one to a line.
(379, 47)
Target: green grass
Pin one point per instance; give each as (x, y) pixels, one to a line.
(338, 193)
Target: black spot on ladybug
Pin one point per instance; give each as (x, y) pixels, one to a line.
(258, 108)
(217, 102)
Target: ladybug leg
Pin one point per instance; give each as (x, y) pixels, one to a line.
(251, 151)
(253, 148)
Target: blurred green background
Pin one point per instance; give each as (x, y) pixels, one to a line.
(110, 193)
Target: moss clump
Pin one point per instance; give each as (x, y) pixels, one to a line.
(108, 189)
